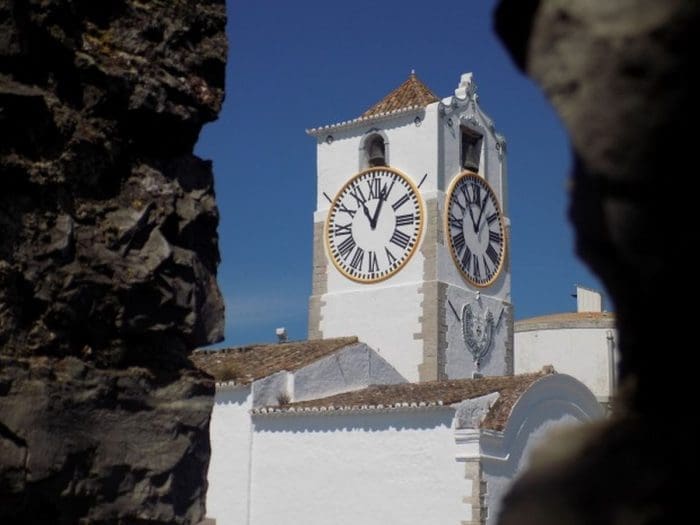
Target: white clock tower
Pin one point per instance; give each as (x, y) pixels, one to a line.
(411, 234)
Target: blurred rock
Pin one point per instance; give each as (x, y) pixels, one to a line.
(622, 77)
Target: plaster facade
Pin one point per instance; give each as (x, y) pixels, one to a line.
(413, 465)
(587, 353)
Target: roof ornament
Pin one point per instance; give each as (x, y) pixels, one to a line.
(466, 88)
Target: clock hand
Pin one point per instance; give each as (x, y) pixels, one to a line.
(366, 212)
(472, 216)
(373, 220)
(481, 213)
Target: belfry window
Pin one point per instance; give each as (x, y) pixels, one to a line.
(471, 149)
(376, 151)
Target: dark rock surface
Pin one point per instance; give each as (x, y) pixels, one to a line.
(108, 257)
(622, 77)
(119, 446)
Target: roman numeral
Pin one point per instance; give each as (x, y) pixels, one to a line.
(495, 237)
(466, 258)
(346, 247)
(486, 266)
(375, 188)
(389, 256)
(476, 190)
(343, 229)
(357, 259)
(357, 194)
(456, 201)
(400, 239)
(400, 202)
(386, 190)
(491, 252)
(458, 241)
(373, 263)
(465, 193)
(455, 222)
(347, 210)
(491, 218)
(403, 220)
(477, 270)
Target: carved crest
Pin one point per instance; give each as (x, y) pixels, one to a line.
(477, 329)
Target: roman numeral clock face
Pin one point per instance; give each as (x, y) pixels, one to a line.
(476, 229)
(374, 225)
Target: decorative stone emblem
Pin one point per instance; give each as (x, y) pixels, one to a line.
(478, 327)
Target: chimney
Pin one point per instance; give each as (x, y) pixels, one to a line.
(588, 300)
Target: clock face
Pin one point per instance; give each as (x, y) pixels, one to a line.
(374, 224)
(476, 229)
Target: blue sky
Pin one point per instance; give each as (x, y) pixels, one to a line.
(297, 65)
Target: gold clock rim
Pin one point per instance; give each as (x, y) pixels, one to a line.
(446, 223)
(326, 226)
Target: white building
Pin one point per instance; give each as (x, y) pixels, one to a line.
(582, 344)
(418, 419)
(426, 453)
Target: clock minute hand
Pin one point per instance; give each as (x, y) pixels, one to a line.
(481, 213)
(373, 220)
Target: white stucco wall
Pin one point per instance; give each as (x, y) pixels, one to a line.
(365, 468)
(230, 434)
(354, 367)
(385, 318)
(581, 352)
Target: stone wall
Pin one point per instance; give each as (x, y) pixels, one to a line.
(108, 258)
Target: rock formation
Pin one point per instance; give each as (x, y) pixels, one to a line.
(622, 77)
(108, 258)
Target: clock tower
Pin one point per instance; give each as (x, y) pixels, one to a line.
(411, 234)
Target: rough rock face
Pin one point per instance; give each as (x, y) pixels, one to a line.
(622, 76)
(108, 257)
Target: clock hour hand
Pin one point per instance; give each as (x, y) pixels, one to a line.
(366, 212)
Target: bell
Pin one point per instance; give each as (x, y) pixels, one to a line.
(376, 153)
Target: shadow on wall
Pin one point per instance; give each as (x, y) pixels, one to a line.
(361, 421)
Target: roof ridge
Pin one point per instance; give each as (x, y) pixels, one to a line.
(412, 92)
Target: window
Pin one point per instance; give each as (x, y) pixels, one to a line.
(471, 149)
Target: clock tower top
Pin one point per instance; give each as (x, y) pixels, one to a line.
(411, 232)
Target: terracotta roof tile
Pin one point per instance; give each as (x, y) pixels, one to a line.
(431, 393)
(245, 364)
(409, 94)
(567, 320)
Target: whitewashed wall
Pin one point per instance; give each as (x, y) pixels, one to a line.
(230, 434)
(584, 353)
(368, 469)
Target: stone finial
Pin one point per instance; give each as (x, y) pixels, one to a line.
(467, 87)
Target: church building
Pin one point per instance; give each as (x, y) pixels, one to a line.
(409, 403)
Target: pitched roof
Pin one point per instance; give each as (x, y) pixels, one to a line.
(412, 93)
(245, 364)
(567, 320)
(428, 394)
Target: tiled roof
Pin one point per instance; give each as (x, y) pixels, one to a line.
(245, 364)
(421, 395)
(567, 320)
(412, 93)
